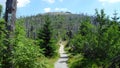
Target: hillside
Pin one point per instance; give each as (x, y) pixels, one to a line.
(61, 23)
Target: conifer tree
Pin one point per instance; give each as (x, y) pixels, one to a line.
(26, 52)
(115, 18)
(2, 39)
(45, 38)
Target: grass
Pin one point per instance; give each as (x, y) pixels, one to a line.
(52, 61)
(64, 43)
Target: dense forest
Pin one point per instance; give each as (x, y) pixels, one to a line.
(91, 41)
(62, 23)
(94, 40)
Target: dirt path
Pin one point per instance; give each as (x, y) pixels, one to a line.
(62, 61)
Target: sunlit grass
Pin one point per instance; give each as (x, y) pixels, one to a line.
(52, 61)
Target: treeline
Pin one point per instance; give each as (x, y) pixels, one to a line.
(26, 51)
(96, 45)
(61, 23)
(93, 41)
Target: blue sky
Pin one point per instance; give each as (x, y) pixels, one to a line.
(32, 7)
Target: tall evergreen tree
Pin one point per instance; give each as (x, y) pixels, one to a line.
(115, 18)
(45, 38)
(2, 39)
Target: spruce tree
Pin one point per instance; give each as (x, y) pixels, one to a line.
(45, 39)
(115, 18)
(2, 39)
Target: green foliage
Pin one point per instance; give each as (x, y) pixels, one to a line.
(90, 45)
(2, 30)
(115, 18)
(46, 42)
(98, 44)
(61, 24)
(113, 40)
(73, 63)
(0, 10)
(2, 39)
(26, 52)
(83, 39)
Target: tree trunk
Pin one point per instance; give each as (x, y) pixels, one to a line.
(10, 18)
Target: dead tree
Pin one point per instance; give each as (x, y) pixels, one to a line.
(10, 18)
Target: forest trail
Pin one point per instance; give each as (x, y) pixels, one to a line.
(62, 61)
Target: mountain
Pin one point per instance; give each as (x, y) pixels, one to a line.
(61, 23)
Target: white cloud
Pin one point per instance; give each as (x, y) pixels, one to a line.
(55, 9)
(61, 9)
(109, 1)
(22, 3)
(47, 9)
(49, 1)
